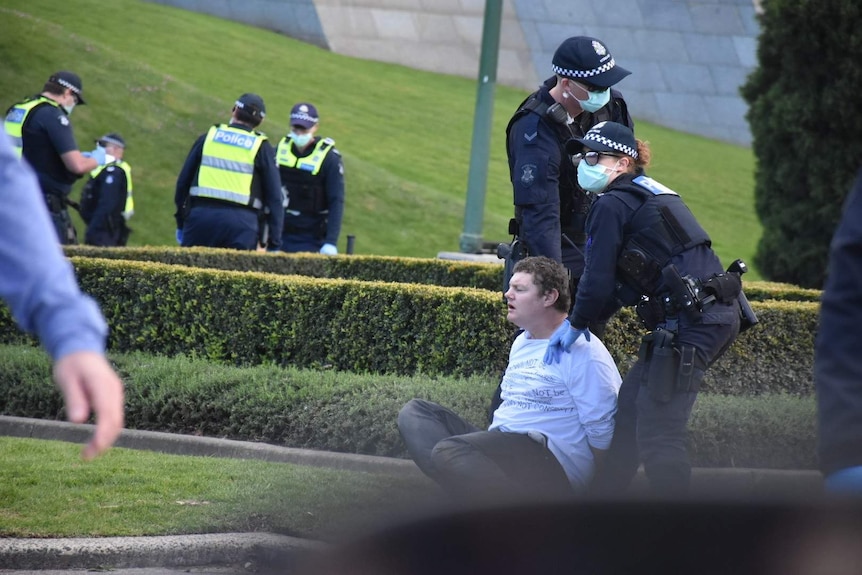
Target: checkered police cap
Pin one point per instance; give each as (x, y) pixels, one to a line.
(588, 59)
(304, 115)
(606, 137)
(71, 81)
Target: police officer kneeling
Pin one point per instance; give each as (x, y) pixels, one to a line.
(228, 193)
(645, 248)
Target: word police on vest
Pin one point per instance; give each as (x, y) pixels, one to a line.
(234, 139)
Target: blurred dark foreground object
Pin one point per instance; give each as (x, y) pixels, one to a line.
(638, 537)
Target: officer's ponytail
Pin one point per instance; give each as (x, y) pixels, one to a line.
(642, 161)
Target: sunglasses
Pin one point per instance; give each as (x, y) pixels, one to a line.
(586, 86)
(591, 158)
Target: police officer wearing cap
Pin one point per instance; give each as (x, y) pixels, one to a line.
(646, 249)
(106, 200)
(42, 134)
(312, 175)
(550, 206)
(228, 193)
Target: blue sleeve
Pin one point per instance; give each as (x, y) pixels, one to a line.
(57, 127)
(536, 157)
(273, 196)
(36, 280)
(187, 178)
(334, 183)
(605, 225)
(837, 358)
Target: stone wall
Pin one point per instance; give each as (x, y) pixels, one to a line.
(688, 57)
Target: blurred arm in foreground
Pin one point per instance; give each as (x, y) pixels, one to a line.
(38, 284)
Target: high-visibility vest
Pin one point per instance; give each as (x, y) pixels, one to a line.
(17, 115)
(129, 208)
(227, 166)
(305, 191)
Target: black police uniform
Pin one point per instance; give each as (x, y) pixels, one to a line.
(47, 135)
(315, 204)
(550, 206)
(837, 360)
(625, 219)
(103, 201)
(223, 224)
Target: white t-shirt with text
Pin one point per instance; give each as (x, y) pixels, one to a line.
(572, 403)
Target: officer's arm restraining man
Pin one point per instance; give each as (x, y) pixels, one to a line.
(228, 193)
(312, 174)
(42, 133)
(645, 248)
(106, 200)
(550, 206)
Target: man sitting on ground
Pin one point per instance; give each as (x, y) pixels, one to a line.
(555, 421)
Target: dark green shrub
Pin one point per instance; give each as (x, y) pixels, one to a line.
(806, 126)
(335, 411)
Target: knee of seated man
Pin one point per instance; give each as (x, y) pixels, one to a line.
(447, 450)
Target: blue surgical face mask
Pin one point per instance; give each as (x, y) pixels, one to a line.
(301, 140)
(593, 178)
(595, 100)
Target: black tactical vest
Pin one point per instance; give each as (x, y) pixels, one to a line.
(661, 227)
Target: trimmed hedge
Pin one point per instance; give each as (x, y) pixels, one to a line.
(254, 318)
(353, 413)
(446, 273)
(350, 325)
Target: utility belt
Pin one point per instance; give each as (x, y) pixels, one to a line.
(690, 296)
(671, 367)
(195, 201)
(318, 230)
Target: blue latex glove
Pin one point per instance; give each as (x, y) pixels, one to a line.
(561, 340)
(97, 154)
(180, 237)
(329, 250)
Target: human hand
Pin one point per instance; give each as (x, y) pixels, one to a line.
(99, 154)
(179, 236)
(329, 250)
(561, 340)
(90, 384)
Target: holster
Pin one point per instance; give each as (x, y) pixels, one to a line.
(662, 361)
(670, 368)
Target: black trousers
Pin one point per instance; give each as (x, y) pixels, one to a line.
(476, 465)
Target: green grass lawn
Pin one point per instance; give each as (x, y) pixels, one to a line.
(161, 76)
(46, 490)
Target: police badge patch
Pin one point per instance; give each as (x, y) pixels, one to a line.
(528, 174)
(63, 120)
